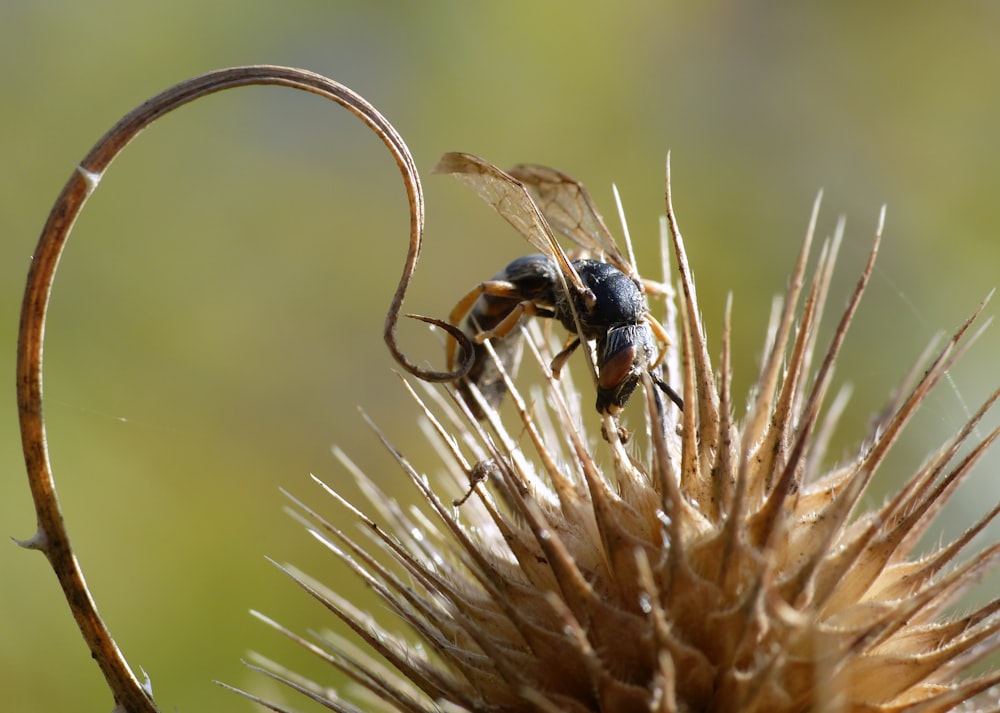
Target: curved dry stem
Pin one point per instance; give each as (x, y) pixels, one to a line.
(51, 537)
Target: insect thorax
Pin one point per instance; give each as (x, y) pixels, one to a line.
(618, 300)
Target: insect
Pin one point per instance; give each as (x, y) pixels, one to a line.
(597, 298)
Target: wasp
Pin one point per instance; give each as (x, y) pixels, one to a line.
(599, 298)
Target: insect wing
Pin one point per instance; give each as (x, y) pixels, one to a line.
(513, 202)
(569, 209)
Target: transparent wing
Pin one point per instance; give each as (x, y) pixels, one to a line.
(569, 209)
(513, 202)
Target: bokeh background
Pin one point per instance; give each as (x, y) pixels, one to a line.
(217, 319)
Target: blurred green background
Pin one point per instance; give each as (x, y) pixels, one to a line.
(217, 318)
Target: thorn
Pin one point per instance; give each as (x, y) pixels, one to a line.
(91, 178)
(39, 541)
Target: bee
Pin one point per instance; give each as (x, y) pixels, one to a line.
(599, 298)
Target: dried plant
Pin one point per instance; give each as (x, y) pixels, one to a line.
(715, 563)
(722, 569)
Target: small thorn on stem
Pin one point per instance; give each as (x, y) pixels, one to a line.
(91, 178)
(38, 541)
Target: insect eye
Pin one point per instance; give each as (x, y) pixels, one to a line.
(616, 368)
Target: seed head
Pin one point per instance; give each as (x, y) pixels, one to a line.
(711, 564)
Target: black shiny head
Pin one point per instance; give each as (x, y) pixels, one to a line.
(622, 356)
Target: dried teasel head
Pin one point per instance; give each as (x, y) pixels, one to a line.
(715, 568)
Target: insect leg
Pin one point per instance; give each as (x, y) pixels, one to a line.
(666, 388)
(496, 288)
(507, 324)
(654, 288)
(559, 360)
(661, 336)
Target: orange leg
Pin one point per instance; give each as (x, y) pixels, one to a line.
(661, 334)
(507, 324)
(654, 287)
(496, 288)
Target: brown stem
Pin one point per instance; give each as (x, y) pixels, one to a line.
(51, 536)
